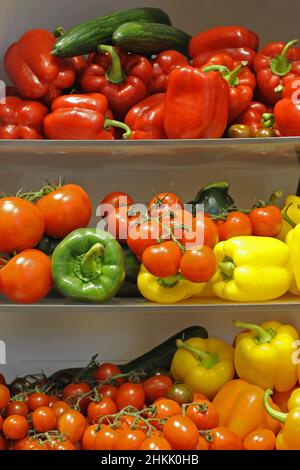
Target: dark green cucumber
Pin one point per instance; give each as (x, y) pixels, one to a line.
(161, 356)
(150, 38)
(84, 38)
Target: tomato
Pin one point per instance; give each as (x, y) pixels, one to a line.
(129, 439)
(236, 224)
(21, 444)
(72, 425)
(21, 225)
(181, 433)
(107, 371)
(156, 387)
(166, 408)
(106, 438)
(53, 399)
(65, 445)
(162, 260)
(15, 427)
(4, 396)
(203, 414)
(155, 443)
(64, 210)
(202, 444)
(38, 399)
(119, 223)
(29, 268)
(3, 442)
(1, 422)
(266, 221)
(144, 235)
(181, 393)
(33, 444)
(262, 439)
(198, 265)
(59, 408)
(116, 199)
(223, 438)
(201, 231)
(89, 438)
(97, 410)
(2, 380)
(128, 422)
(108, 391)
(74, 391)
(199, 396)
(130, 394)
(163, 202)
(17, 408)
(43, 419)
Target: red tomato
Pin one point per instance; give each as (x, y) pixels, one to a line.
(262, 439)
(203, 414)
(15, 427)
(198, 265)
(59, 408)
(181, 433)
(17, 408)
(202, 228)
(29, 268)
(106, 438)
(130, 439)
(53, 399)
(64, 210)
(144, 235)
(116, 199)
(236, 224)
(4, 396)
(106, 372)
(166, 408)
(97, 410)
(162, 260)
(1, 422)
(155, 443)
(224, 439)
(21, 225)
(202, 444)
(73, 392)
(3, 442)
(156, 387)
(43, 419)
(119, 223)
(266, 221)
(163, 201)
(72, 425)
(64, 445)
(89, 438)
(108, 391)
(38, 399)
(130, 394)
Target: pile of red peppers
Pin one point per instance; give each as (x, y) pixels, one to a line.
(227, 87)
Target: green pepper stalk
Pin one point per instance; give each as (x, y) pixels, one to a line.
(115, 74)
(280, 65)
(207, 359)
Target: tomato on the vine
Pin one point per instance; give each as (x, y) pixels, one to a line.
(63, 445)
(162, 260)
(15, 427)
(43, 419)
(72, 425)
(166, 408)
(38, 399)
(181, 433)
(16, 407)
(222, 438)
(266, 221)
(108, 391)
(201, 231)
(144, 235)
(97, 410)
(262, 439)
(130, 394)
(119, 223)
(181, 393)
(156, 387)
(106, 372)
(117, 198)
(106, 438)
(155, 443)
(203, 414)
(4, 396)
(236, 224)
(73, 392)
(89, 437)
(59, 408)
(130, 439)
(202, 444)
(198, 265)
(162, 202)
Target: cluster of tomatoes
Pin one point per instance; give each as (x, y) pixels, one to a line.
(24, 221)
(115, 414)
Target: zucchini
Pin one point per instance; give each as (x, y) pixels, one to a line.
(150, 38)
(84, 38)
(161, 356)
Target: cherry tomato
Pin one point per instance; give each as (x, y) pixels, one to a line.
(130, 394)
(108, 391)
(156, 387)
(64, 445)
(181, 393)
(223, 438)
(74, 391)
(144, 235)
(266, 221)
(64, 210)
(38, 399)
(236, 224)
(72, 425)
(155, 443)
(21, 225)
(162, 260)
(17, 408)
(129, 422)
(203, 414)
(89, 438)
(116, 199)
(199, 396)
(202, 444)
(15, 427)
(198, 265)
(119, 223)
(2, 380)
(166, 408)
(43, 419)
(181, 433)
(53, 399)
(107, 371)
(201, 229)
(3, 442)
(97, 410)
(262, 439)
(163, 202)
(29, 268)
(106, 438)
(1, 422)
(59, 408)
(130, 439)
(33, 444)
(21, 443)
(4, 396)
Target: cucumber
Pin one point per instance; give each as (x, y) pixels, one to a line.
(161, 356)
(84, 38)
(150, 38)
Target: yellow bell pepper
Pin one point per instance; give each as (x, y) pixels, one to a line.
(203, 364)
(263, 355)
(166, 291)
(252, 269)
(291, 212)
(289, 437)
(293, 242)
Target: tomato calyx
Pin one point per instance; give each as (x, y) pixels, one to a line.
(34, 196)
(49, 438)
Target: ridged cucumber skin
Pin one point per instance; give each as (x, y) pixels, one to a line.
(150, 38)
(84, 38)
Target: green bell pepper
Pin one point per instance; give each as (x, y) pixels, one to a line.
(88, 265)
(129, 287)
(214, 197)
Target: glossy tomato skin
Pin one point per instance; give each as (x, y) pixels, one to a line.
(236, 224)
(64, 210)
(21, 225)
(116, 199)
(27, 277)
(65, 445)
(266, 221)
(89, 437)
(4, 396)
(106, 438)
(203, 414)
(59, 408)
(202, 444)
(43, 419)
(119, 223)
(203, 229)
(166, 408)
(107, 371)
(144, 235)
(38, 399)
(262, 439)
(155, 443)
(17, 408)
(156, 387)
(163, 202)
(74, 391)
(198, 265)
(162, 260)
(225, 439)
(130, 394)
(181, 433)
(97, 410)
(129, 439)
(108, 391)
(181, 393)
(15, 427)
(72, 425)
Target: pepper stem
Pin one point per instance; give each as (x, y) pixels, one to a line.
(280, 65)
(115, 74)
(263, 336)
(287, 218)
(120, 125)
(227, 268)
(208, 359)
(230, 76)
(88, 262)
(169, 281)
(277, 194)
(275, 414)
(268, 120)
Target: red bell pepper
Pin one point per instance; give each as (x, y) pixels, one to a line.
(146, 119)
(196, 104)
(163, 65)
(287, 110)
(34, 70)
(238, 42)
(240, 79)
(81, 117)
(256, 116)
(275, 65)
(125, 79)
(20, 119)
